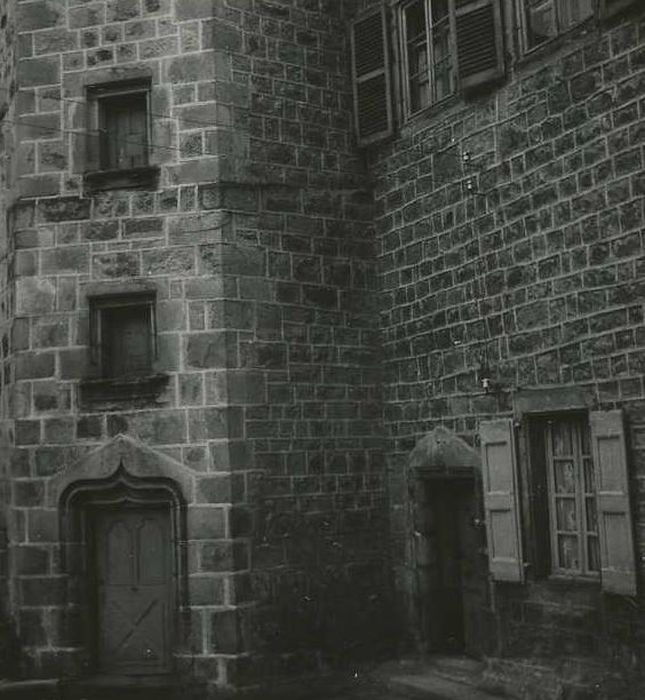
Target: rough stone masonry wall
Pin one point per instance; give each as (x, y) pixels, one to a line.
(7, 87)
(308, 343)
(511, 229)
(258, 244)
(66, 239)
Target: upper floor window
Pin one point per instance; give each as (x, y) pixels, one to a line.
(545, 19)
(123, 127)
(445, 46)
(118, 135)
(427, 32)
(123, 334)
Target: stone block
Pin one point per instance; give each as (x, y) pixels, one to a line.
(89, 428)
(232, 455)
(41, 591)
(191, 391)
(173, 261)
(206, 523)
(42, 526)
(244, 387)
(206, 350)
(183, 69)
(30, 560)
(214, 489)
(55, 40)
(32, 630)
(40, 14)
(144, 227)
(232, 259)
(100, 230)
(121, 10)
(196, 9)
(74, 363)
(50, 460)
(38, 71)
(35, 365)
(38, 185)
(168, 355)
(114, 265)
(226, 637)
(35, 296)
(206, 590)
(157, 427)
(27, 432)
(59, 430)
(221, 36)
(65, 259)
(64, 209)
(20, 334)
(28, 493)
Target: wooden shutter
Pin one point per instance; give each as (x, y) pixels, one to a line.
(479, 39)
(501, 500)
(617, 565)
(609, 8)
(371, 78)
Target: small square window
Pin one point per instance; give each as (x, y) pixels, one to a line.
(123, 335)
(123, 127)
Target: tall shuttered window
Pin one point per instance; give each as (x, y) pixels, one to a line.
(573, 514)
(448, 45)
(371, 77)
(564, 501)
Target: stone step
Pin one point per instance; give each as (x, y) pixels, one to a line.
(434, 686)
(435, 677)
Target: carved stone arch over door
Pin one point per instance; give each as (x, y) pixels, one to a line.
(447, 591)
(122, 520)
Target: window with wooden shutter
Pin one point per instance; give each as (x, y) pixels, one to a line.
(371, 78)
(479, 42)
(617, 561)
(501, 500)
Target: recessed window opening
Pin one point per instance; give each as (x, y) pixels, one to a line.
(123, 335)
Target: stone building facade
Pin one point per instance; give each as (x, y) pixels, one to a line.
(190, 327)
(255, 324)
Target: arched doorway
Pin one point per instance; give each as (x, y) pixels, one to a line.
(450, 601)
(120, 538)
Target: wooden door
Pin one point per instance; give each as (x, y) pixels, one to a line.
(458, 589)
(134, 590)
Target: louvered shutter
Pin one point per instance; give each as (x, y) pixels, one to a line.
(480, 57)
(371, 78)
(501, 500)
(618, 569)
(609, 8)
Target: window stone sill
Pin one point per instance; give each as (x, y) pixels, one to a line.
(119, 391)
(144, 178)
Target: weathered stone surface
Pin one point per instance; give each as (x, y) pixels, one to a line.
(39, 14)
(35, 295)
(39, 71)
(206, 350)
